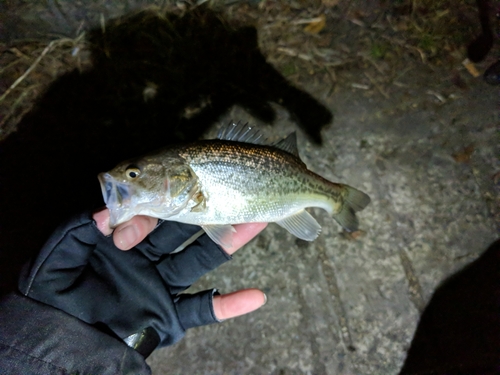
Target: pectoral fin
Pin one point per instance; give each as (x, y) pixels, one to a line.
(222, 235)
(301, 225)
(201, 203)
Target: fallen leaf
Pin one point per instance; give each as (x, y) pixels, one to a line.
(458, 81)
(464, 155)
(354, 236)
(325, 41)
(316, 26)
(330, 3)
(402, 26)
(496, 178)
(471, 68)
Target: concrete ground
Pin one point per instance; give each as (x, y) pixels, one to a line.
(344, 306)
(428, 156)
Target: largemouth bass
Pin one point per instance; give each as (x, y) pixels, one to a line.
(234, 179)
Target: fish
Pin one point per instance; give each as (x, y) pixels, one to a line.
(236, 178)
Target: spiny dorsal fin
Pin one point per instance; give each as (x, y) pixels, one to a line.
(239, 132)
(289, 144)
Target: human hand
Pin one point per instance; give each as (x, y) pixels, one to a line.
(81, 272)
(131, 233)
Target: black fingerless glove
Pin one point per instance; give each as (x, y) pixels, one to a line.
(135, 294)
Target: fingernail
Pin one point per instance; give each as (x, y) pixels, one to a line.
(127, 237)
(265, 299)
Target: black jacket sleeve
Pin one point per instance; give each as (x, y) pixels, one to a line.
(38, 339)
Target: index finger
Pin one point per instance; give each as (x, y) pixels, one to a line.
(131, 233)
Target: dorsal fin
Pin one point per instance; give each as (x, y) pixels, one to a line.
(239, 132)
(289, 144)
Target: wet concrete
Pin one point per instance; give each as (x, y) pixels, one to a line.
(343, 306)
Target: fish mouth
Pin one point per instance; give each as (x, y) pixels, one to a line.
(117, 197)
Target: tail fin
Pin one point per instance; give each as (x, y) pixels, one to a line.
(354, 201)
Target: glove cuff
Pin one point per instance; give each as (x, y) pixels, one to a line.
(197, 309)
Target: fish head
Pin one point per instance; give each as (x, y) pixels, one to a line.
(147, 187)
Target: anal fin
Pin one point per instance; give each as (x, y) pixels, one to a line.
(301, 225)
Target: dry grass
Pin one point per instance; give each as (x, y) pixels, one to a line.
(322, 40)
(28, 68)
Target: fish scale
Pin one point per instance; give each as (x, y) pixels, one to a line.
(221, 182)
(270, 181)
(266, 163)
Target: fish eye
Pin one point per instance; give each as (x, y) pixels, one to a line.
(132, 172)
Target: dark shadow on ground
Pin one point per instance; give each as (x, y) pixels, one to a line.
(155, 81)
(459, 331)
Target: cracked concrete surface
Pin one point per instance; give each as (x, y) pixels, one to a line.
(344, 306)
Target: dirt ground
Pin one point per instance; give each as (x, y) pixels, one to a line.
(412, 127)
